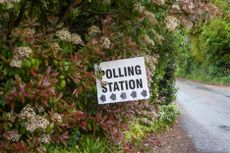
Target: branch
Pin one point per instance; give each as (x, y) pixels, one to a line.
(103, 13)
(15, 22)
(3, 59)
(33, 3)
(72, 6)
(21, 14)
(11, 22)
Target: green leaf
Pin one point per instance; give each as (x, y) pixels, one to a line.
(63, 84)
(27, 63)
(49, 128)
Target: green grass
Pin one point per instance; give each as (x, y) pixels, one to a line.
(167, 116)
(87, 144)
(224, 80)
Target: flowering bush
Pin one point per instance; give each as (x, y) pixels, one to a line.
(48, 50)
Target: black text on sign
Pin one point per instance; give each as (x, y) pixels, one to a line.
(123, 80)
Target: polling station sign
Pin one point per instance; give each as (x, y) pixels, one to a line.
(122, 80)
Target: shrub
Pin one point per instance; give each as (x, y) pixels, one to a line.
(215, 44)
(166, 117)
(163, 120)
(48, 50)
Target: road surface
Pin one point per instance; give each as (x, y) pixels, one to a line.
(205, 115)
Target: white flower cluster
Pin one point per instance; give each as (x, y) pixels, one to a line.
(9, 3)
(159, 2)
(150, 16)
(94, 31)
(37, 122)
(172, 23)
(142, 10)
(30, 126)
(45, 139)
(176, 7)
(55, 47)
(159, 38)
(76, 39)
(65, 35)
(23, 52)
(106, 2)
(105, 42)
(139, 8)
(188, 4)
(13, 135)
(148, 40)
(33, 121)
(151, 66)
(187, 24)
(27, 113)
(19, 54)
(57, 118)
(41, 122)
(16, 62)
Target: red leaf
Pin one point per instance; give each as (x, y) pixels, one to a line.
(75, 58)
(88, 74)
(1, 146)
(99, 117)
(84, 125)
(20, 147)
(90, 117)
(128, 148)
(78, 115)
(108, 124)
(63, 138)
(33, 72)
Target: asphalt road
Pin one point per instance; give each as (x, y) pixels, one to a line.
(205, 115)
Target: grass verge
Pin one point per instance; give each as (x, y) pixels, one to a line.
(214, 80)
(166, 117)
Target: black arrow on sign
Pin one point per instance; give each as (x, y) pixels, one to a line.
(123, 95)
(134, 94)
(144, 93)
(113, 97)
(103, 98)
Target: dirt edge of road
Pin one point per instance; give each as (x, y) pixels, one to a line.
(174, 140)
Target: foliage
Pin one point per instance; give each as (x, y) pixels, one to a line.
(163, 120)
(48, 50)
(206, 56)
(215, 42)
(200, 76)
(166, 117)
(223, 6)
(141, 125)
(88, 145)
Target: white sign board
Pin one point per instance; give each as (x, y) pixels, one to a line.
(122, 80)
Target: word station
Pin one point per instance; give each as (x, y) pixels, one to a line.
(123, 80)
